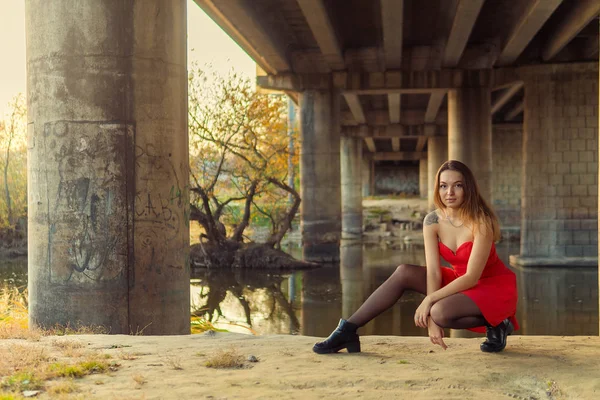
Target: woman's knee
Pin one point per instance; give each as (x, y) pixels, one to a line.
(412, 277)
(439, 316)
(402, 269)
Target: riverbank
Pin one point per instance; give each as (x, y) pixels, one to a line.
(175, 367)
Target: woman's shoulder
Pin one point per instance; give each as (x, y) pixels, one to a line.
(431, 218)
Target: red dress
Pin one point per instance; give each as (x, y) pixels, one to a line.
(496, 291)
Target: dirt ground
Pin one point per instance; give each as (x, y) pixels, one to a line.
(174, 367)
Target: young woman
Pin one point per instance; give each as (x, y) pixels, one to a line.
(478, 293)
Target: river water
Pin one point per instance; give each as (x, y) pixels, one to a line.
(552, 301)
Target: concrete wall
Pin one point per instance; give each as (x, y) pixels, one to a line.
(394, 180)
(507, 150)
(560, 161)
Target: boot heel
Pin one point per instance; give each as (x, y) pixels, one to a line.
(353, 347)
(509, 329)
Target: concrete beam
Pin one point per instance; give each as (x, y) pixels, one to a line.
(394, 107)
(355, 107)
(381, 117)
(464, 20)
(370, 144)
(372, 83)
(399, 156)
(433, 107)
(578, 17)
(590, 49)
(530, 23)
(395, 144)
(244, 27)
(316, 15)
(394, 131)
(397, 81)
(505, 78)
(517, 109)
(421, 142)
(372, 59)
(506, 96)
(392, 21)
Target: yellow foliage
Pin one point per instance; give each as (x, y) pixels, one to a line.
(13, 164)
(238, 136)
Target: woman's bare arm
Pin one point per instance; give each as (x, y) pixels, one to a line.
(432, 254)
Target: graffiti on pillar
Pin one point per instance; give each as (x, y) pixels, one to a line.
(160, 212)
(86, 183)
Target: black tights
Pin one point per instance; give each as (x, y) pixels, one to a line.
(456, 311)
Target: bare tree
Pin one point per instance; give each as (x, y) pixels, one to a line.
(12, 139)
(239, 165)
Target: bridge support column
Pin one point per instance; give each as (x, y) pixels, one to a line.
(351, 277)
(423, 178)
(320, 175)
(437, 153)
(351, 170)
(108, 165)
(559, 206)
(470, 133)
(367, 166)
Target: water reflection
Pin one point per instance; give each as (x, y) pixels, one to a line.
(13, 273)
(552, 301)
(244, 300)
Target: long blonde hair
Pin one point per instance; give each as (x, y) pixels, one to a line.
(474, 209)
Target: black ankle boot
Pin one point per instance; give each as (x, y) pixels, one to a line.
(496, 336)
(344, 337)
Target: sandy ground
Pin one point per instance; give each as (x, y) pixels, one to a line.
(173, 367)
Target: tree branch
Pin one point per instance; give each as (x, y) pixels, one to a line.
(239, 230)
(286, 223)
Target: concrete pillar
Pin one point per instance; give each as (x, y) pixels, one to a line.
(437, 153)
(351, 164)
(423, 178)
(470, 133)
(321, 307)
(559, 206)
(321, 212)
(366, 175)
(108, 165)
(353, 291)
(372, 179)
(507, 142)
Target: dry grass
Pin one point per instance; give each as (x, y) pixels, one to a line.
(13, 315)
(125, 355)
(14, 319)
(173, 362)
(69, 348)
(21, 357)
(225, 359)
(28, 366)
(139, 380)
(62, 387)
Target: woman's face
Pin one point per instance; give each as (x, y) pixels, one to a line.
(452, 188)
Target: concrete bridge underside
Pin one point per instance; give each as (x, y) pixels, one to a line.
(510, 89)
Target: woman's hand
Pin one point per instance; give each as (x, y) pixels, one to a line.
(436, 334)
(422, 312)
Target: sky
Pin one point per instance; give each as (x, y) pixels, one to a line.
(207, 44)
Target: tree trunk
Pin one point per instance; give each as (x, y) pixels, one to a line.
(231, 254)
(6, 189)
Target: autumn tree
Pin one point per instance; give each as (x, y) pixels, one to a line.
(13, 164)
(238, 156)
